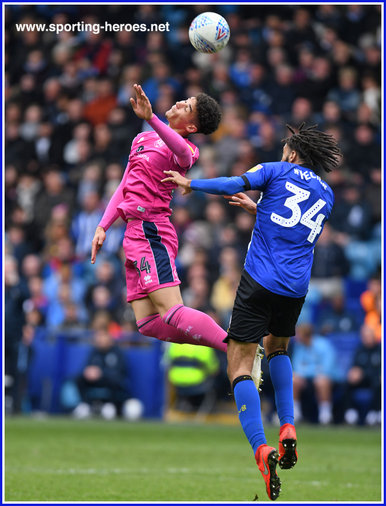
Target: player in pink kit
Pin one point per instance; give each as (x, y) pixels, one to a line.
(150, 242)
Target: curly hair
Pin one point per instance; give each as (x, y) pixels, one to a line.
(208, 114)
(318, 150)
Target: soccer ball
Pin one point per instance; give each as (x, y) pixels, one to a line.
(209, 32)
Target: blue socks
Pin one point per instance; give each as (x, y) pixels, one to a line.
(248, 405)
(280, 369)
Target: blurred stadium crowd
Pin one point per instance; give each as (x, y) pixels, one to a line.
(69, 127)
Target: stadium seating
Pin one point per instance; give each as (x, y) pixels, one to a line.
(59, 357)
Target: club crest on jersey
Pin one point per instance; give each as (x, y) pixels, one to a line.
(141, 148)
(255, 168)
(159, 143)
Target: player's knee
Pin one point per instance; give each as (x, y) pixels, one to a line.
(275, 345)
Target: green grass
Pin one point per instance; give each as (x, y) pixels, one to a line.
(67, 460)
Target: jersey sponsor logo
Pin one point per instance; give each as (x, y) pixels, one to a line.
(255, 168)
(140, 140)
(159, 143)
(145, 157)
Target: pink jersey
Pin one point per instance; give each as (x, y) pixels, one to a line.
(145, 197)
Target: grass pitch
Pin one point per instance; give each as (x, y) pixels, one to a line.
(65, 460)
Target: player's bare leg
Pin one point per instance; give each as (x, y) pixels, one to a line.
(281, 375)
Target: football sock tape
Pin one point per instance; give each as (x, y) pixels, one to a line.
(240, 378)
(276, 354)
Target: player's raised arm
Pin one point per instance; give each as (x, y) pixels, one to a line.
(174, 141)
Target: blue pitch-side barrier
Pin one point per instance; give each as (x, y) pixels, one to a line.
(60, 357)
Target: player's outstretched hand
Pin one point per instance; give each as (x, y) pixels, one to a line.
(242, 200)
(141, 106)
(175, 177)
(99, 239)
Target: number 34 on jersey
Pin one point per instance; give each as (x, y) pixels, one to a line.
(306, 219)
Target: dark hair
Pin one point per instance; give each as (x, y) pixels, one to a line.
(317, 149)
(208, 114)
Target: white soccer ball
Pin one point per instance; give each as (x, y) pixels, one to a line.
(209, 32)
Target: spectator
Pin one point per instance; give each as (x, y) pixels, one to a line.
(365, 373)
(19, 150)
(103, 379)
(352, 216)
(282, 92)
(97, 110)
(313, 362)
(54, 193)
(15, 295)
(105, 276)
(191, 371)
(85, 223)
(371, 301)
(364, 154)
(57, 308)
(335, 317)
(37, 299)
(330, 264)
(301, 33)
(17, 242)
(301, 111)
(94, 49)
(346, 94)
(161, 75)
(65, 273)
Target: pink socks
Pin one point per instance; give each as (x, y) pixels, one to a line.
(153, 326)
(196, 324)
(182, 324)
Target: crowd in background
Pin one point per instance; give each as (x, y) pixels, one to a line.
(69, 127)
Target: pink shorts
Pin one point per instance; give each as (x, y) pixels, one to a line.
(150, 249)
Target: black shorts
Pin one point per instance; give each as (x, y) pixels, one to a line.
(258, 312)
